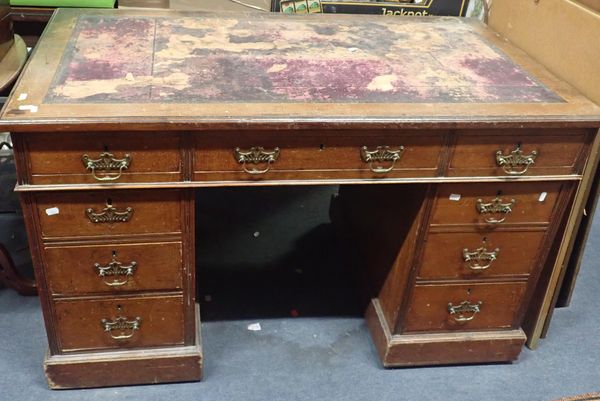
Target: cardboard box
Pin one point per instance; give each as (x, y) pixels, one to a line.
(593, 4)
(563, 36)
(560, 34)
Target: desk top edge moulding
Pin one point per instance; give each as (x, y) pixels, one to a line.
(173, 69)
(120, 115)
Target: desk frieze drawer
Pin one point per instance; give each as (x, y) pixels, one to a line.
(101, 158)
(88, 269)
(494, 205)
(464, 307)
(298, 155)
(108, 213)
(473, 255)
(120, 323)
(518, 153)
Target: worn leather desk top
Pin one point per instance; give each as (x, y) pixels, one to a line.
(107, 67)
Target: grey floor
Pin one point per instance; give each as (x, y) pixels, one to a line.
(326, 357)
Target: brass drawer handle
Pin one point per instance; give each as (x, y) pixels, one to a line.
(109, 215)
(381, 154)
(126, 328)
(495, 207)
(480, 259)
(516, 163)
(256, 155)
(115, 269)
(106, 163)
(465, 311)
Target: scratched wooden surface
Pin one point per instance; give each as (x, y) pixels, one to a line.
(214, 59)
(173, 70)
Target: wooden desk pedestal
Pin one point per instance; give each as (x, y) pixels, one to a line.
(112, 136)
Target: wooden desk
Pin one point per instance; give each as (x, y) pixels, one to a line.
(120, 115)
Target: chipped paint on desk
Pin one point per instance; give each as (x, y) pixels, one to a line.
(210, 59)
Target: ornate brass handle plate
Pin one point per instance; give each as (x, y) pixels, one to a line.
(480, 259)
(256, 155)
(115, 269)
(126, 328)
(107, 164)
(516, 163)
(465, 311)
(109, 214)
(495, 207)
(381, 154)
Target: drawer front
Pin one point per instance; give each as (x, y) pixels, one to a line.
(120, 323)
(473, 255)
(88, 269)
(223, 156)
(104, 158)
(431, 307)
(510, 153)
(109, 213)
(494, 205)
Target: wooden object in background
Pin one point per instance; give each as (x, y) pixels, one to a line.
(477, 150)
(6, 30)
(29, 22)
(13, 55)
(576, 39)
(9, 275)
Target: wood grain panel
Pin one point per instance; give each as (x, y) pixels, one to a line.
(428, 307)
(120, 368)
(70, 270)
(518, 254)
(474, 153)
(441, 348)
(57, 159)
(530, 206)
(80, 324)
(153, 212)
(335, 154)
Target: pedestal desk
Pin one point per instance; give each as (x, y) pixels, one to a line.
(120, 115)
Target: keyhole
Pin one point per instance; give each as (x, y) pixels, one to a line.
(484, 240)
(106, 148)
(109, 201)
(321, 147)
(468, 291)
(114, 254)
(499, 193)
(119, 308)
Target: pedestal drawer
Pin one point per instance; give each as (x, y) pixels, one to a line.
(327, 155)
(103, 158)
(473, 255)
(109, 213)
(464, 307)
(518, 152)
(72, 270)
(496, 204)
(120, 322)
